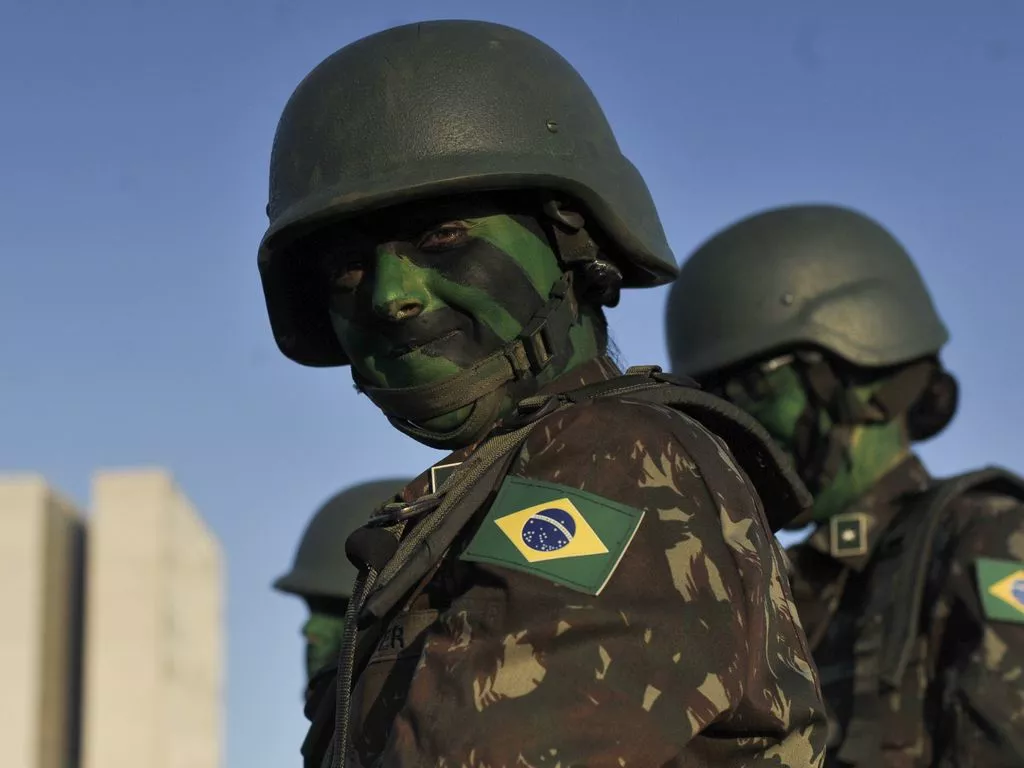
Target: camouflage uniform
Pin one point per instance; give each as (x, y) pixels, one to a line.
(961, 699)
(691, 655)
(595, 583)
(911, 589)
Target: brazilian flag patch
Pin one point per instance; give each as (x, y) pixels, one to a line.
(561, 534)
(1001, 583)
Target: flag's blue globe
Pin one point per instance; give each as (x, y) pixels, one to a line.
(549, 530)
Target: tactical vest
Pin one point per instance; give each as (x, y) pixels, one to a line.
(894, 615)
(471, 488)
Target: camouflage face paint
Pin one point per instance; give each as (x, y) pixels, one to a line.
(323, 641)
(422, 292)
(777, 399)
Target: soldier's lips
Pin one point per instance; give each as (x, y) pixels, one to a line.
(413, 346)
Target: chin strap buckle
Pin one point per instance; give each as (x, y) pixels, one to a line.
(546, 336)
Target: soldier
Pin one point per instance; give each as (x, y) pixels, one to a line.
(816, 321)
(322, 576)
(596, 581)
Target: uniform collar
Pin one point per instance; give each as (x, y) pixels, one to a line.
(851, 536)
(601, 368)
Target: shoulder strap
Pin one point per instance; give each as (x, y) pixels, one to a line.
(783, 494)
(891, 619)
(458, 498)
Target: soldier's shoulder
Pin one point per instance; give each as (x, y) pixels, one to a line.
(980, 512)
(984, 541)
(986, 546)
(990, 503)
(642, 454)
(610, 475)
(620, 420)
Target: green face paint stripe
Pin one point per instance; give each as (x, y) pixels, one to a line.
(396, 277)
(360, 347)
(387, 371)
(323, 634)
(499, 280)
(485, 307)
(401, 277)
(875, 449)
(391, 372)
(780, 412)
(394, 372)
(532, 254)
(581, 336)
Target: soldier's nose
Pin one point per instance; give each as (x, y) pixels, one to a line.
(399, 291)
(401, 309)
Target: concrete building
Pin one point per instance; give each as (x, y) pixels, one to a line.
(40, 536)
(111, 643)
(153, 639)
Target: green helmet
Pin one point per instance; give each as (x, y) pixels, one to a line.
(439, 108)
(806, 275)
(321, 569)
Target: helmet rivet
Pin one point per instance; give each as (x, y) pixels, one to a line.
(552, 126)
(787, 299)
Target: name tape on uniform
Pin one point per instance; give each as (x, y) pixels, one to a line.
(401, 636)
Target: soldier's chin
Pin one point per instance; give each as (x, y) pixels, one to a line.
(437, 345)
(413, 369)
(446, 422)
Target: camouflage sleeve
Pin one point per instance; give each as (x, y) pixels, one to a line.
(982, 647)
(690, 655)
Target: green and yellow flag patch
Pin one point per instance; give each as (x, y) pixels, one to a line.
(561, 534)
(1001, 584)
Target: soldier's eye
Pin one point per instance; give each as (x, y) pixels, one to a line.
(758, 386)
(443, 237)
(342, 273)
(349, 277)
(734, 391)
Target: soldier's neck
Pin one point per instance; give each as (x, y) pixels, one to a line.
(875, 450)
(583, 349)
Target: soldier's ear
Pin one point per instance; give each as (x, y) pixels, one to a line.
(598, 278)
(935, 408)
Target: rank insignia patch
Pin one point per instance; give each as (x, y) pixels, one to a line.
(1001, 584)
(848, 534)
(562, 534)
(440, 473)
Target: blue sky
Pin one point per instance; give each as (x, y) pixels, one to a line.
(134, 143)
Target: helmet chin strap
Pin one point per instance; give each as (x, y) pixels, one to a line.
(511, 372)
